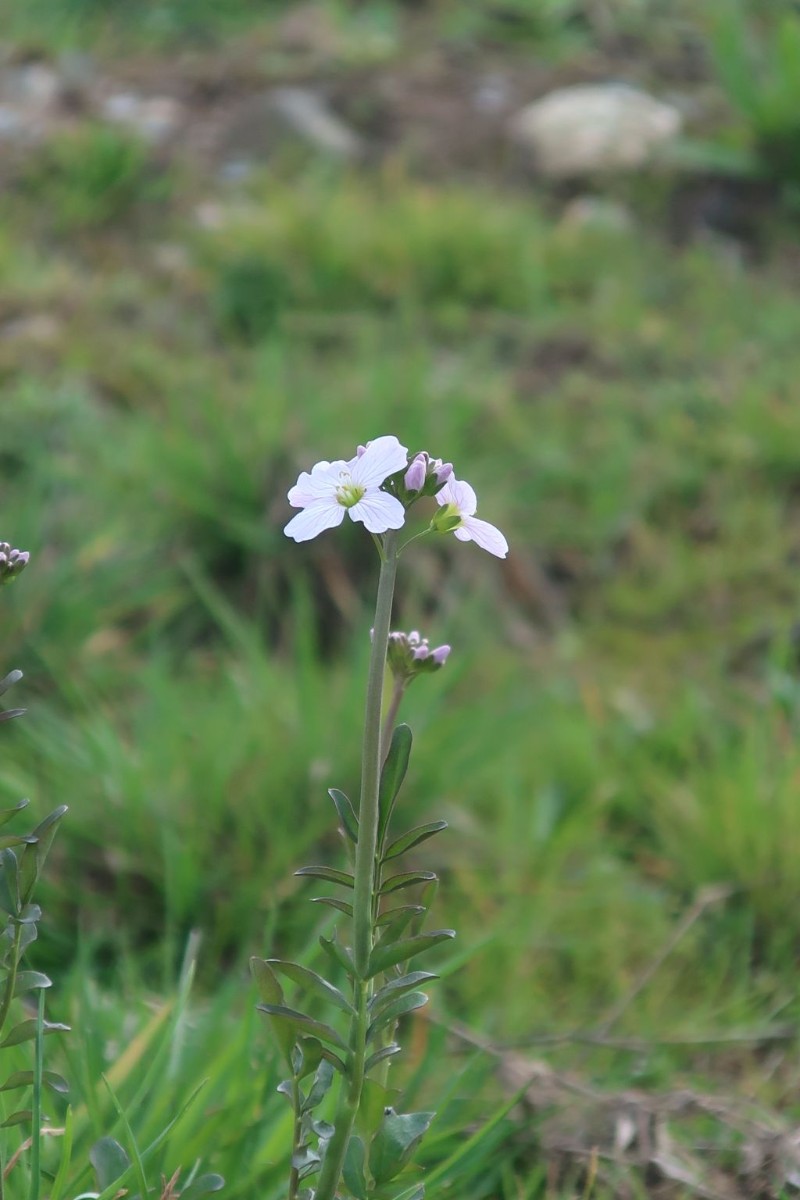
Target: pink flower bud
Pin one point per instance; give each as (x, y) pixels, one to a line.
(440, 655)
(416, 473)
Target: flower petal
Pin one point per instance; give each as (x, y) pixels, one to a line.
(314, 519)
(379, 511)
(318, 485)
(487, 536)
(457, 492)
(384, 456)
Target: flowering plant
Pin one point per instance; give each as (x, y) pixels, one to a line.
(368, 1146)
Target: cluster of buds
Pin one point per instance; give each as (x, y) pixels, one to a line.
(12, 562)
(425, 475)
(409, 655)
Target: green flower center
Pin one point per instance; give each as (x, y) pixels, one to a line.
(347, 492)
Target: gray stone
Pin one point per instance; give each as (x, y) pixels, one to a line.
(597, 212)
(155, 118)
(593, 128)
(307, 115)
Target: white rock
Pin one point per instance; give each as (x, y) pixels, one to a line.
(593, 128)
(307, 115)
(12, 123)
(154, 118)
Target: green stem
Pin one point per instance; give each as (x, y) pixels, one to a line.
(364, 890)
(36, 1121)
(371, 762)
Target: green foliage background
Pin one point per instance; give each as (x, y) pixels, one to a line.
(616, 727)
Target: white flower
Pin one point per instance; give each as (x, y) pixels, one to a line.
(458, 503)
(335, 488)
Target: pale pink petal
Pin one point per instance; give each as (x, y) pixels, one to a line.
(487, 536)
(379, 511)
(318, 485)
(383, 457)
(456, 492)
(315, 519)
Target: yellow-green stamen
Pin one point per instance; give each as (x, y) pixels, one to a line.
(347, 492)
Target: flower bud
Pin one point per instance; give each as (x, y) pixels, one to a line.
(12, 562)
(409, 655)
(416, 473)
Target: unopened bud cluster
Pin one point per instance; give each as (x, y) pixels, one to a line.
(425, 475)
(409, 655)
(12, 562)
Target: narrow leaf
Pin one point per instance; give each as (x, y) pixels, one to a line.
(311, 979)
(413, 838)
(396, 987)
(17, 839)
(26, 1030)
(346, 813)
(396, 1009)
(33, 856)
(380, 1055)
(7, 814)
(300, 1021)
(384, 957)
(9, 882)
(27, 981)
(328, 873)
(334, 902)
(17, 1118)
(407, 879)
(338, 953)
(320, 1087)
(392, 776)
(8, 681)
(335, 1061)
(271, 992)
(392, 914)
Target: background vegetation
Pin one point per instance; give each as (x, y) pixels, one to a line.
(615, 732)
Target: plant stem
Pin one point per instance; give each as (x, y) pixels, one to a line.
(371, 762)
(364, 890)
